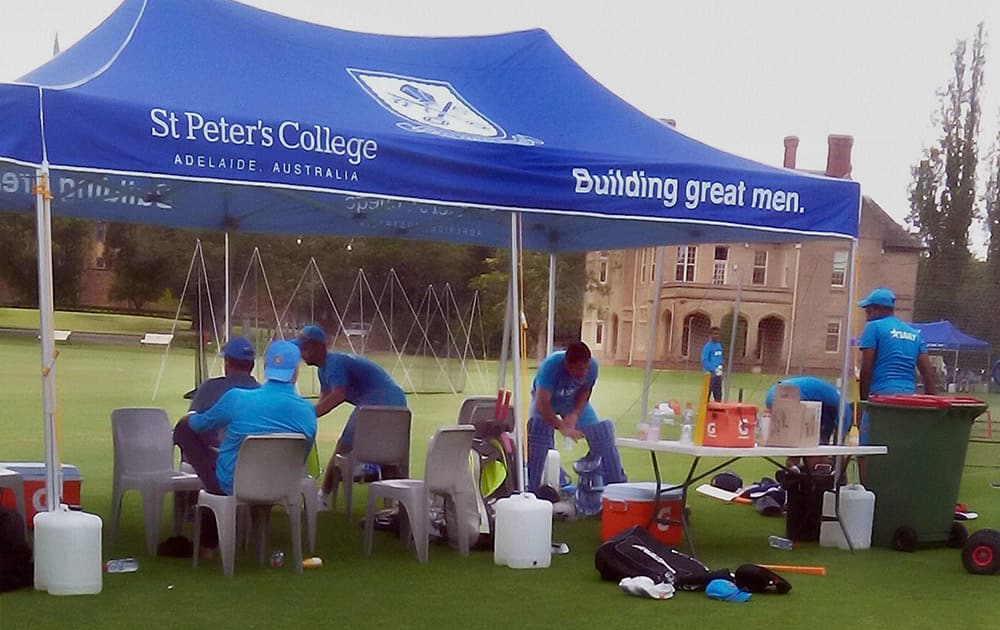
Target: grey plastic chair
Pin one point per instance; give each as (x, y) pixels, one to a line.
(269, 471)
(381, 436)
(144, 461)
(476, 410)
(13, 481)
(447, 474)
(310, 502)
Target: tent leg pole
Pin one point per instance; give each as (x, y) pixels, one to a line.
(732, 333)
(845, 370)
(515, 329)
(653, 320)
(505, 345)
(550, 324)
(46, 306)
(226, 272)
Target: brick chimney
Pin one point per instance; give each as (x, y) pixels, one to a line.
(791, 146)
(838, 157)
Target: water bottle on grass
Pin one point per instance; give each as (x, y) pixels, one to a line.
(122, 565)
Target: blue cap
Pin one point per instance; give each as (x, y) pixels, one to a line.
(312, 332)
(281, 361)
(726, 591)
(239, 348)
(879, 297)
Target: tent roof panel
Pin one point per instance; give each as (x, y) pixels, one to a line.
(228, 96)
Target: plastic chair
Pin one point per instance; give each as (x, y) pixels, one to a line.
(12, 480)
(381, 436)
(310, 502)
(447, 474)
(144, 461)
(480, 410)
(269, 471)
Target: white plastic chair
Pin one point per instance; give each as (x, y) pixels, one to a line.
(269, 471)
(381, 436)
(446, 474)
(144, 461)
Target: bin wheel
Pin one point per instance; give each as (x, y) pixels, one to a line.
(905, 538)
(957, 536)
(981, 554)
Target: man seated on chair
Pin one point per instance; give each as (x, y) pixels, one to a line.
(275, 407)
(345, 377)
(560, 400)
(238, 355)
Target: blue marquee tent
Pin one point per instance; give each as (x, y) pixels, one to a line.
(211, 114)
(943, 335)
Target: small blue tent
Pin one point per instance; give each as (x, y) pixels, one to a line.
(943, 335)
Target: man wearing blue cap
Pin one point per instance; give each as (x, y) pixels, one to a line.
(890, 352)
(275, 407)
(238, 354)
(345, 377)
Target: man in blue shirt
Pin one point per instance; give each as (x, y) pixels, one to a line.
(815, 390)
(345, 377)
(711, 362)
(274, 407)
(560, 400)
(891, 351)
(200, 449)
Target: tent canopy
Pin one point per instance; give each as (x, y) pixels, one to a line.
(943, 335)
(211, 114)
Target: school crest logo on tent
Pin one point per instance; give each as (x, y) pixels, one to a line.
(433, 107)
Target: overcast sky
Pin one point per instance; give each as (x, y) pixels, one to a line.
(737, 75)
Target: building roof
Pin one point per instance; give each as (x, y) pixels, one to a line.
(894, 235)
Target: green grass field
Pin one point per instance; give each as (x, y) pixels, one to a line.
(874, 588)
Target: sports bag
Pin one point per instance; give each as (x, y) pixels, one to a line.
(635, 552)
(16, 567)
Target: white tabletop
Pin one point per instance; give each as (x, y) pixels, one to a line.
(673, 446)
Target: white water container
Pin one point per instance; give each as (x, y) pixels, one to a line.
(68, 552)
(857, 509)
(523, 537)
(550, 474)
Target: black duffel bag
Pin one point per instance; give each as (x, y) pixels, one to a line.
(635, 552)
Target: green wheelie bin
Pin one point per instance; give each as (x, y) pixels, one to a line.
(916, 483)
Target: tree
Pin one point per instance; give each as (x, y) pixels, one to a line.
(943, 194)
(19, 256)
(570, 285)
(147, 261)
(990, 287)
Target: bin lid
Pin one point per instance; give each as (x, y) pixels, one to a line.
(639, 491)
(910, 400)
(925, 401)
